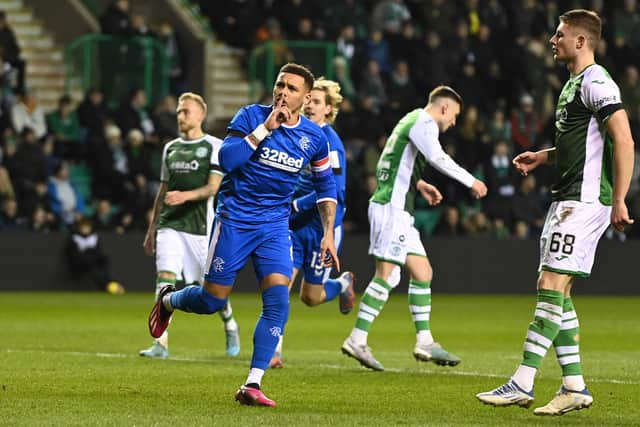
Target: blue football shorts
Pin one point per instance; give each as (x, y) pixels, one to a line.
(232, 243)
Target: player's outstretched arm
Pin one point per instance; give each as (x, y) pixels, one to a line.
(174, 198)
(429, 192)
(149, 243)
(529, 160)
(618, 128)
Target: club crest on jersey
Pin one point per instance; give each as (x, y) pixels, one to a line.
(201, 152)
(304, 143)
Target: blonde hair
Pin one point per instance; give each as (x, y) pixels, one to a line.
(332, 96)
(195, 98)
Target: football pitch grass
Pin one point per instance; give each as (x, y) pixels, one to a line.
(72, 359)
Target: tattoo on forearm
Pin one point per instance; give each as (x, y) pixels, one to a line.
(327, 214)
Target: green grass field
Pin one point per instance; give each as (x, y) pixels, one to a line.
(71, 359)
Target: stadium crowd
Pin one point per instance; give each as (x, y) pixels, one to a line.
(391, 53)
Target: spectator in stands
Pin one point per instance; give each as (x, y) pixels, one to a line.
(449, 224)
(403, 95)
(63, 124)
(372, 86)
(405, 44)
(93, 113)
(133, 115)
(26, 113)
(85, 258)
(527, 204)
(139, 26)
(169, 40)
(116, 19)
(6, 187)
(9, 218)
(345, 43)
(347, 12)
(377, 49)
(28, 169)
(430, 63)
(110, 167)
(42, 221)
(500, 176)
(165, 118)
(107, 218)
(67, 202)
(525, 126)
(389, 16)
(341, 70)
(499, 128)
(138, 161)
(630, 91)
(11, 51)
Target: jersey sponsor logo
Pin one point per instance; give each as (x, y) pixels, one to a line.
(598, 82)
(182, 166)
(383, 169)
(611, 99)
(280, 160)
(304, 143)
(201, 152)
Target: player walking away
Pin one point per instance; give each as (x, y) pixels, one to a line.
(594, 157)
(394, 241)
(305, 222)
(265, 149)
(183, 213)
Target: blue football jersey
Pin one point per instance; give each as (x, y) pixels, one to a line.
(260, 190)
(305, 195)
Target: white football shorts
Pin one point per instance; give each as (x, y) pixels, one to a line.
(570, 236)
(181, 253)
(393, 236)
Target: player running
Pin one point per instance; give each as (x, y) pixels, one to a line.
(178, 232)
(394, 241)
(265, 149)
(306, 225)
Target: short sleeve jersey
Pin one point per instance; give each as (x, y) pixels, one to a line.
(584, 149)
(260, 191)
(186, 165)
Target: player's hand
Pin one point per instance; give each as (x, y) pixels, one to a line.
(174, 198)
(328, 253)
(149, 243)
(279, 114)
(429, 192)
(528, 161)
(620, 216)
(478, 189)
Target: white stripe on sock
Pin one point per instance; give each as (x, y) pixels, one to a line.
(420, 308)
(368, 309)
(568, 315)
(413, 290)
(536, 349)
(567, 349)
(552, 317)
(541, 340)
(571, 324)
(566, 360)
(366, 316)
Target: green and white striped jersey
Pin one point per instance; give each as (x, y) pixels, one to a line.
(412, 144)
(584, 149)
(186, 165)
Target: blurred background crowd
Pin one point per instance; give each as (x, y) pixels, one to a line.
(95, 160)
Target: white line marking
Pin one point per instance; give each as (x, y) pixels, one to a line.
(442, 371)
